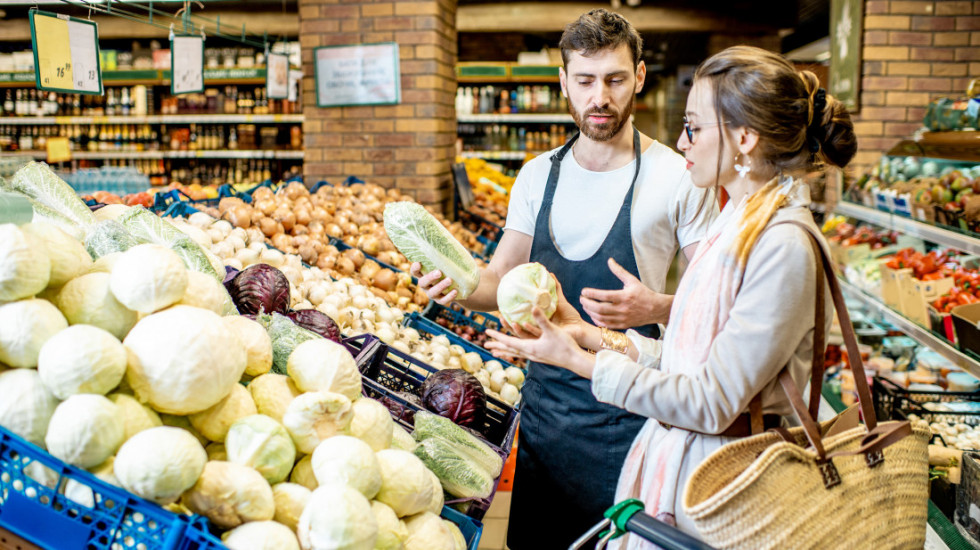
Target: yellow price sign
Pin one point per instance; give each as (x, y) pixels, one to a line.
(59, 150)
(66, 52)
(53, 49)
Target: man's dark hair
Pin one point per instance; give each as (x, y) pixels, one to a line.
(597, 30)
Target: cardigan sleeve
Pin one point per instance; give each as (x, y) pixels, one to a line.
(770, 319)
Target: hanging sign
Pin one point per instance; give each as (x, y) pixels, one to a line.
(295, 82)
(277, 76)
(66, 54)
(365, 74)
(186, 64)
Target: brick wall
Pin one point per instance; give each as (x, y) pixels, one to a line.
(409, 146)
(913, 52)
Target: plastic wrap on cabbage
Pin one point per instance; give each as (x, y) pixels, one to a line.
(458, 472)
(14, 207)
(148, 227)
(39, 182)
(45, 214)
(422, 238)
(285, 336)
(457, 395)
(106, 237)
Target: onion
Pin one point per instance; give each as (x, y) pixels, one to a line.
(369, 269)
(334, 231)
(355, 256)
(326, 262)
(303, 216)
(370, 245)
(262, 193)
(349, 228)
(268, 226)
(282, 241)
(385, 279)
(345, 265)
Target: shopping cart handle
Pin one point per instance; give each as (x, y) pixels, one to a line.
(663, 535)
(628, 517)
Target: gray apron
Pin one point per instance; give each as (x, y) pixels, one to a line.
(571, 447)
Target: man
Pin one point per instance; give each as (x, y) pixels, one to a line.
(605, 213)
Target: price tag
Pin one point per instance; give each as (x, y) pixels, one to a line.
(295, 82)
(277, 76)
(59, 150)
(186, 64)
(66, 54)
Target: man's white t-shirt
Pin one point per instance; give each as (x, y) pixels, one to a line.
(586, 203)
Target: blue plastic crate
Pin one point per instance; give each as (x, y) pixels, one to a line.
(421, 324)
(461, 316)
(472, 529)
(34, 506)
(393, 377)
(342, 246)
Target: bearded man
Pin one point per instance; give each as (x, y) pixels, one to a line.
(606, 213)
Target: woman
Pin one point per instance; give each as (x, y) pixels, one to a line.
(745, 307)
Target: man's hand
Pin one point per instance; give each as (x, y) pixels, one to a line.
(553, 346)
(633, 306)
(434, 285)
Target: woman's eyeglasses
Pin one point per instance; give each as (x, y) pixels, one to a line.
(692, 131)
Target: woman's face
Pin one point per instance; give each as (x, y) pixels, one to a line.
(701, 148)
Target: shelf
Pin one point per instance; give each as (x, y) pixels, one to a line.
(914, 331)
(136, 155)
(151, 77)
(914, 228)
(962, 145)
(479, 72)
(498, 155)
(542, 118)
(152, 119)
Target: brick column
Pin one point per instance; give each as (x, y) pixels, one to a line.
(409, 146)
(914, 51)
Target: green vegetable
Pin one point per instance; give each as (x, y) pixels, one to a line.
(459, 473)
(286, 336)
(429, 425)
(149, 227)
(107, 237)
(422, 238)
(39, 182)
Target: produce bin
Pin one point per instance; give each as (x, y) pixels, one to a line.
(394, 378)
(421, 324)
(93, 515)
(965, 319)
(895, 402)
(471, 528)
(475, 319)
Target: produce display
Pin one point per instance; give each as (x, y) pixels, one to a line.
(929, 185)
(131, 362)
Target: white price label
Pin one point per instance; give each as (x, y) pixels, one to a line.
(187, 64)
(84, 56)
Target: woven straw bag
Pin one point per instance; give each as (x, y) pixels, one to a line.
(832, 485)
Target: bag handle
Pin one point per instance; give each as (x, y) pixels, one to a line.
(803, 413)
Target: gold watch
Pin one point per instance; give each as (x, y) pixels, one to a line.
(612, 340)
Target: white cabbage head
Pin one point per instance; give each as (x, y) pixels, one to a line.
(523, 288)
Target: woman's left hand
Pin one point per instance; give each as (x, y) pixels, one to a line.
(553, 346)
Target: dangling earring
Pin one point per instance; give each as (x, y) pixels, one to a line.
(742, 170)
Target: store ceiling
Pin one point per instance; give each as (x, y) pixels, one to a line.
(673, 30)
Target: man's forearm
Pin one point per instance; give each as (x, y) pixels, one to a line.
(484, 298)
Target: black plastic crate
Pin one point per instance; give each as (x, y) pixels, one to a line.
(892, 400)
(395, 378)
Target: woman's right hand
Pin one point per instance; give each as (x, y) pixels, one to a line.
(434, 285)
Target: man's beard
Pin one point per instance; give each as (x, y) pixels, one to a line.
(605, 131)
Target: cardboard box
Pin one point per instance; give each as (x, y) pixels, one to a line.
(965, 324)
(916, 295)
(892, 283)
